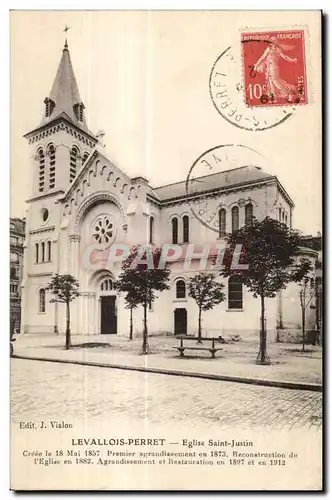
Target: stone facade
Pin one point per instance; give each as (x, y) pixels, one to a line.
(81, 198)
(17, 235)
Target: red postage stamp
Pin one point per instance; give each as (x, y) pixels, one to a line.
(274, 68)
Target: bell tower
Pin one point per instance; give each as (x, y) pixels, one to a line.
(59, 146)
(62, 142)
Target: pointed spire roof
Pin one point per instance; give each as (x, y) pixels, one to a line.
(65, 98)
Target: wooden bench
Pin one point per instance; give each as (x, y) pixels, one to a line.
(181, 348)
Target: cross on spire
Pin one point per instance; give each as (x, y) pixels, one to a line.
(65, 31)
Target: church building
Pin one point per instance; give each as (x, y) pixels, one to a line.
(81, 198)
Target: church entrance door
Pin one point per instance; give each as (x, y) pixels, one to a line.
(180, 321)
(108, 315)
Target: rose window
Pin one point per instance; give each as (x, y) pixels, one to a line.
(103, 230)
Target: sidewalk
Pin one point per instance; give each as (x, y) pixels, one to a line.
(290, 368)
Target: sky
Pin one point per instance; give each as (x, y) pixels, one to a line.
(144, 80)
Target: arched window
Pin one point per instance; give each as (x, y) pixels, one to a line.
(180, 289)
(43, 251)
(41, 174)
(37, 252)
(42, 305)
(151, 227)
(249, 214)
(235, 293)
(74, 153)
(106, 285)
(286, 219)
(175, 225)
(235, 219)
(279, 214)
(222, 222)
(49, 251)
(85, 157)
(51, 155)
(185, 222)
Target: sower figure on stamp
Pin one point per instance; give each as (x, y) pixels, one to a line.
(269, 61)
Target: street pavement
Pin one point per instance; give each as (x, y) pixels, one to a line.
(44, 390)
(237, 361)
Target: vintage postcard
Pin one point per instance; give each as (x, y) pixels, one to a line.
(166, 328)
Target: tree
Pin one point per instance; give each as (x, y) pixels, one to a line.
(131, 303)
(65, 287)
(207, 293)
(306, 295)
(271, 252)
(141, 278)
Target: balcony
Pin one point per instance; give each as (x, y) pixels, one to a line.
(17, 246)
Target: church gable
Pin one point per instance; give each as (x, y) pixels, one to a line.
(100, 175)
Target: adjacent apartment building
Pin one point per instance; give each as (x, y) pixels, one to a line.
(17, 236)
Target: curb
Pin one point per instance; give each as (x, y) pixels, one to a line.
(162, 371)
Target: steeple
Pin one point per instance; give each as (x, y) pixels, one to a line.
(62, 142)
(64, 98)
